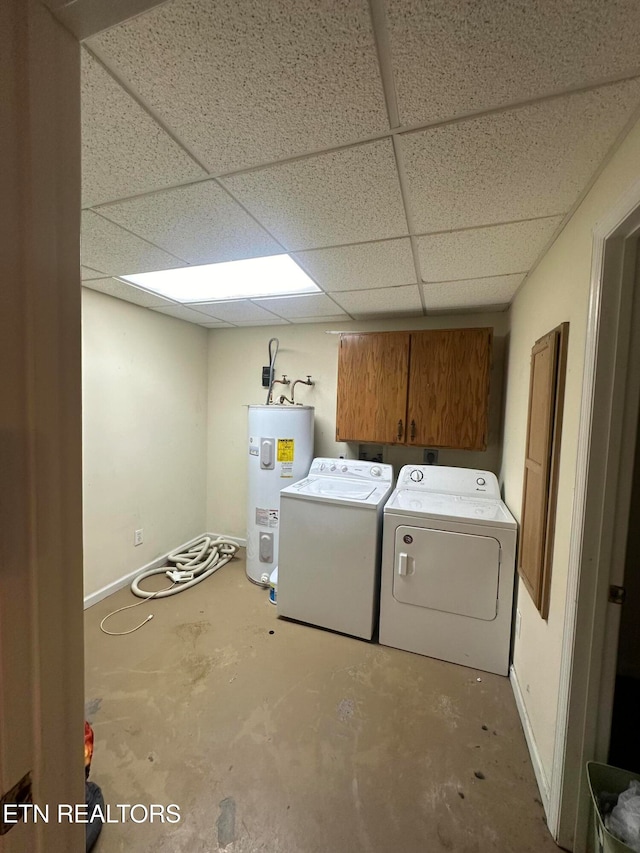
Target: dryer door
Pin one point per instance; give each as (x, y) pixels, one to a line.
(442, 570)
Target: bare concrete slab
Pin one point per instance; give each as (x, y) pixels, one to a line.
(278, 737)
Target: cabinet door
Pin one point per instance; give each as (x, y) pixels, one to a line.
(449, 388)
(372, 387)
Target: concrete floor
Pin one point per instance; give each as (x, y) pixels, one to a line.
(277, 737)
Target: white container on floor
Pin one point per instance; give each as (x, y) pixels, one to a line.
(280, 451)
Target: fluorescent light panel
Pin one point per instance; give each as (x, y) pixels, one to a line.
(276, 275)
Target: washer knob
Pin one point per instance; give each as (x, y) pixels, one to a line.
(375, 471)
(322, 466)
(332, 467)
(481, 481)
(416, 475)
(344, 469)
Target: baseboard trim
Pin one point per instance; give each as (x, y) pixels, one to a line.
(538, 769)
(125, 580)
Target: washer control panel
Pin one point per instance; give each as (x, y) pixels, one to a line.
(354, 469)
(464, 482)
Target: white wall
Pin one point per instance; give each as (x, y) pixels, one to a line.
(557, 290)
(144, 435)
(236, 357)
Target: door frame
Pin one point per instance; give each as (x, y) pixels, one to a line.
(606, 443)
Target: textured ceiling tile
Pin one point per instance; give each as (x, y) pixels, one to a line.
(199, 223)
(121, 290)
(342, 197)
(234, 311)
(388, 300)
(108, 247)
(124, 151)
(86, 273)
(517, 164)
(453, 58)
(274, 321)
(496, 250)
(243, 82)
(315, 305)
(334, 318)
(181, 312)
(473, 293)
(361, 267)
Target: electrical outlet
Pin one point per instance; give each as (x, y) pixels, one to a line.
(430, 457)
(518, 623)
(138, 537)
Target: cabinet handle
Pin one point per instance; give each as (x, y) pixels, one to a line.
(413, 430)
(399, 430)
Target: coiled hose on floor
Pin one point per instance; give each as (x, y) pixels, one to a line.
(201, 559)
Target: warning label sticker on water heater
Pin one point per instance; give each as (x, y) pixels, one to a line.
(266, 517)
(285, 450)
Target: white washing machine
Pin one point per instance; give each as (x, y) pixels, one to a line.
(330, 545)
(448, 567)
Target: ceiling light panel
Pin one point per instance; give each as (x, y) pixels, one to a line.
(243, 82)
(454, 58)
(276, 274)
(387, 300)
(117, 288)
(362, 266)
(470, 294)
(106, 246)
(517, 164)
(200, 223)
(124, 151)
(345, 196)
(291, 307)
(479, 252)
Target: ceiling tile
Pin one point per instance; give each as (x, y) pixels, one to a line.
(315, 305)
(86, 273)
(387, 300)
(334, 318)
(216, 324)
(124, 151)
(342, 197)
(117, 288)
(454, 58)
(517, 164)
(234, 311)
(472, 293)
(108, 247)
(361, 267)
(274, 321)
(182, 312)
(243, 81)
(200, 223)
(478, 252)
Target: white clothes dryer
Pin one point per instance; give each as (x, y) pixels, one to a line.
(330, 545)
(448, 567)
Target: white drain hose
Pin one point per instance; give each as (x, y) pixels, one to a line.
(196, 564)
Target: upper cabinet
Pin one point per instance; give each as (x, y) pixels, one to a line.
(426, 388)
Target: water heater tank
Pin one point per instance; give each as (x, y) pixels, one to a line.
(280, 448)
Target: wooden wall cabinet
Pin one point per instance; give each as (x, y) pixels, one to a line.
(425, 388)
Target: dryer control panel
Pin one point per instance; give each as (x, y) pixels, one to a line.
(464, 482)
(353, 469)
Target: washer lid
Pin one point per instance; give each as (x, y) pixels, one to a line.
(485, 511)
(339, 491)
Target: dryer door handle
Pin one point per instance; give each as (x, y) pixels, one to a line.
(405, 564)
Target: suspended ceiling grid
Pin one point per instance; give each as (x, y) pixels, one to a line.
(414, 156)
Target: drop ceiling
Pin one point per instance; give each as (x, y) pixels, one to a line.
(414, 156)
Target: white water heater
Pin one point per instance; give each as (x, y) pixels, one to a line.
(280, 448)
